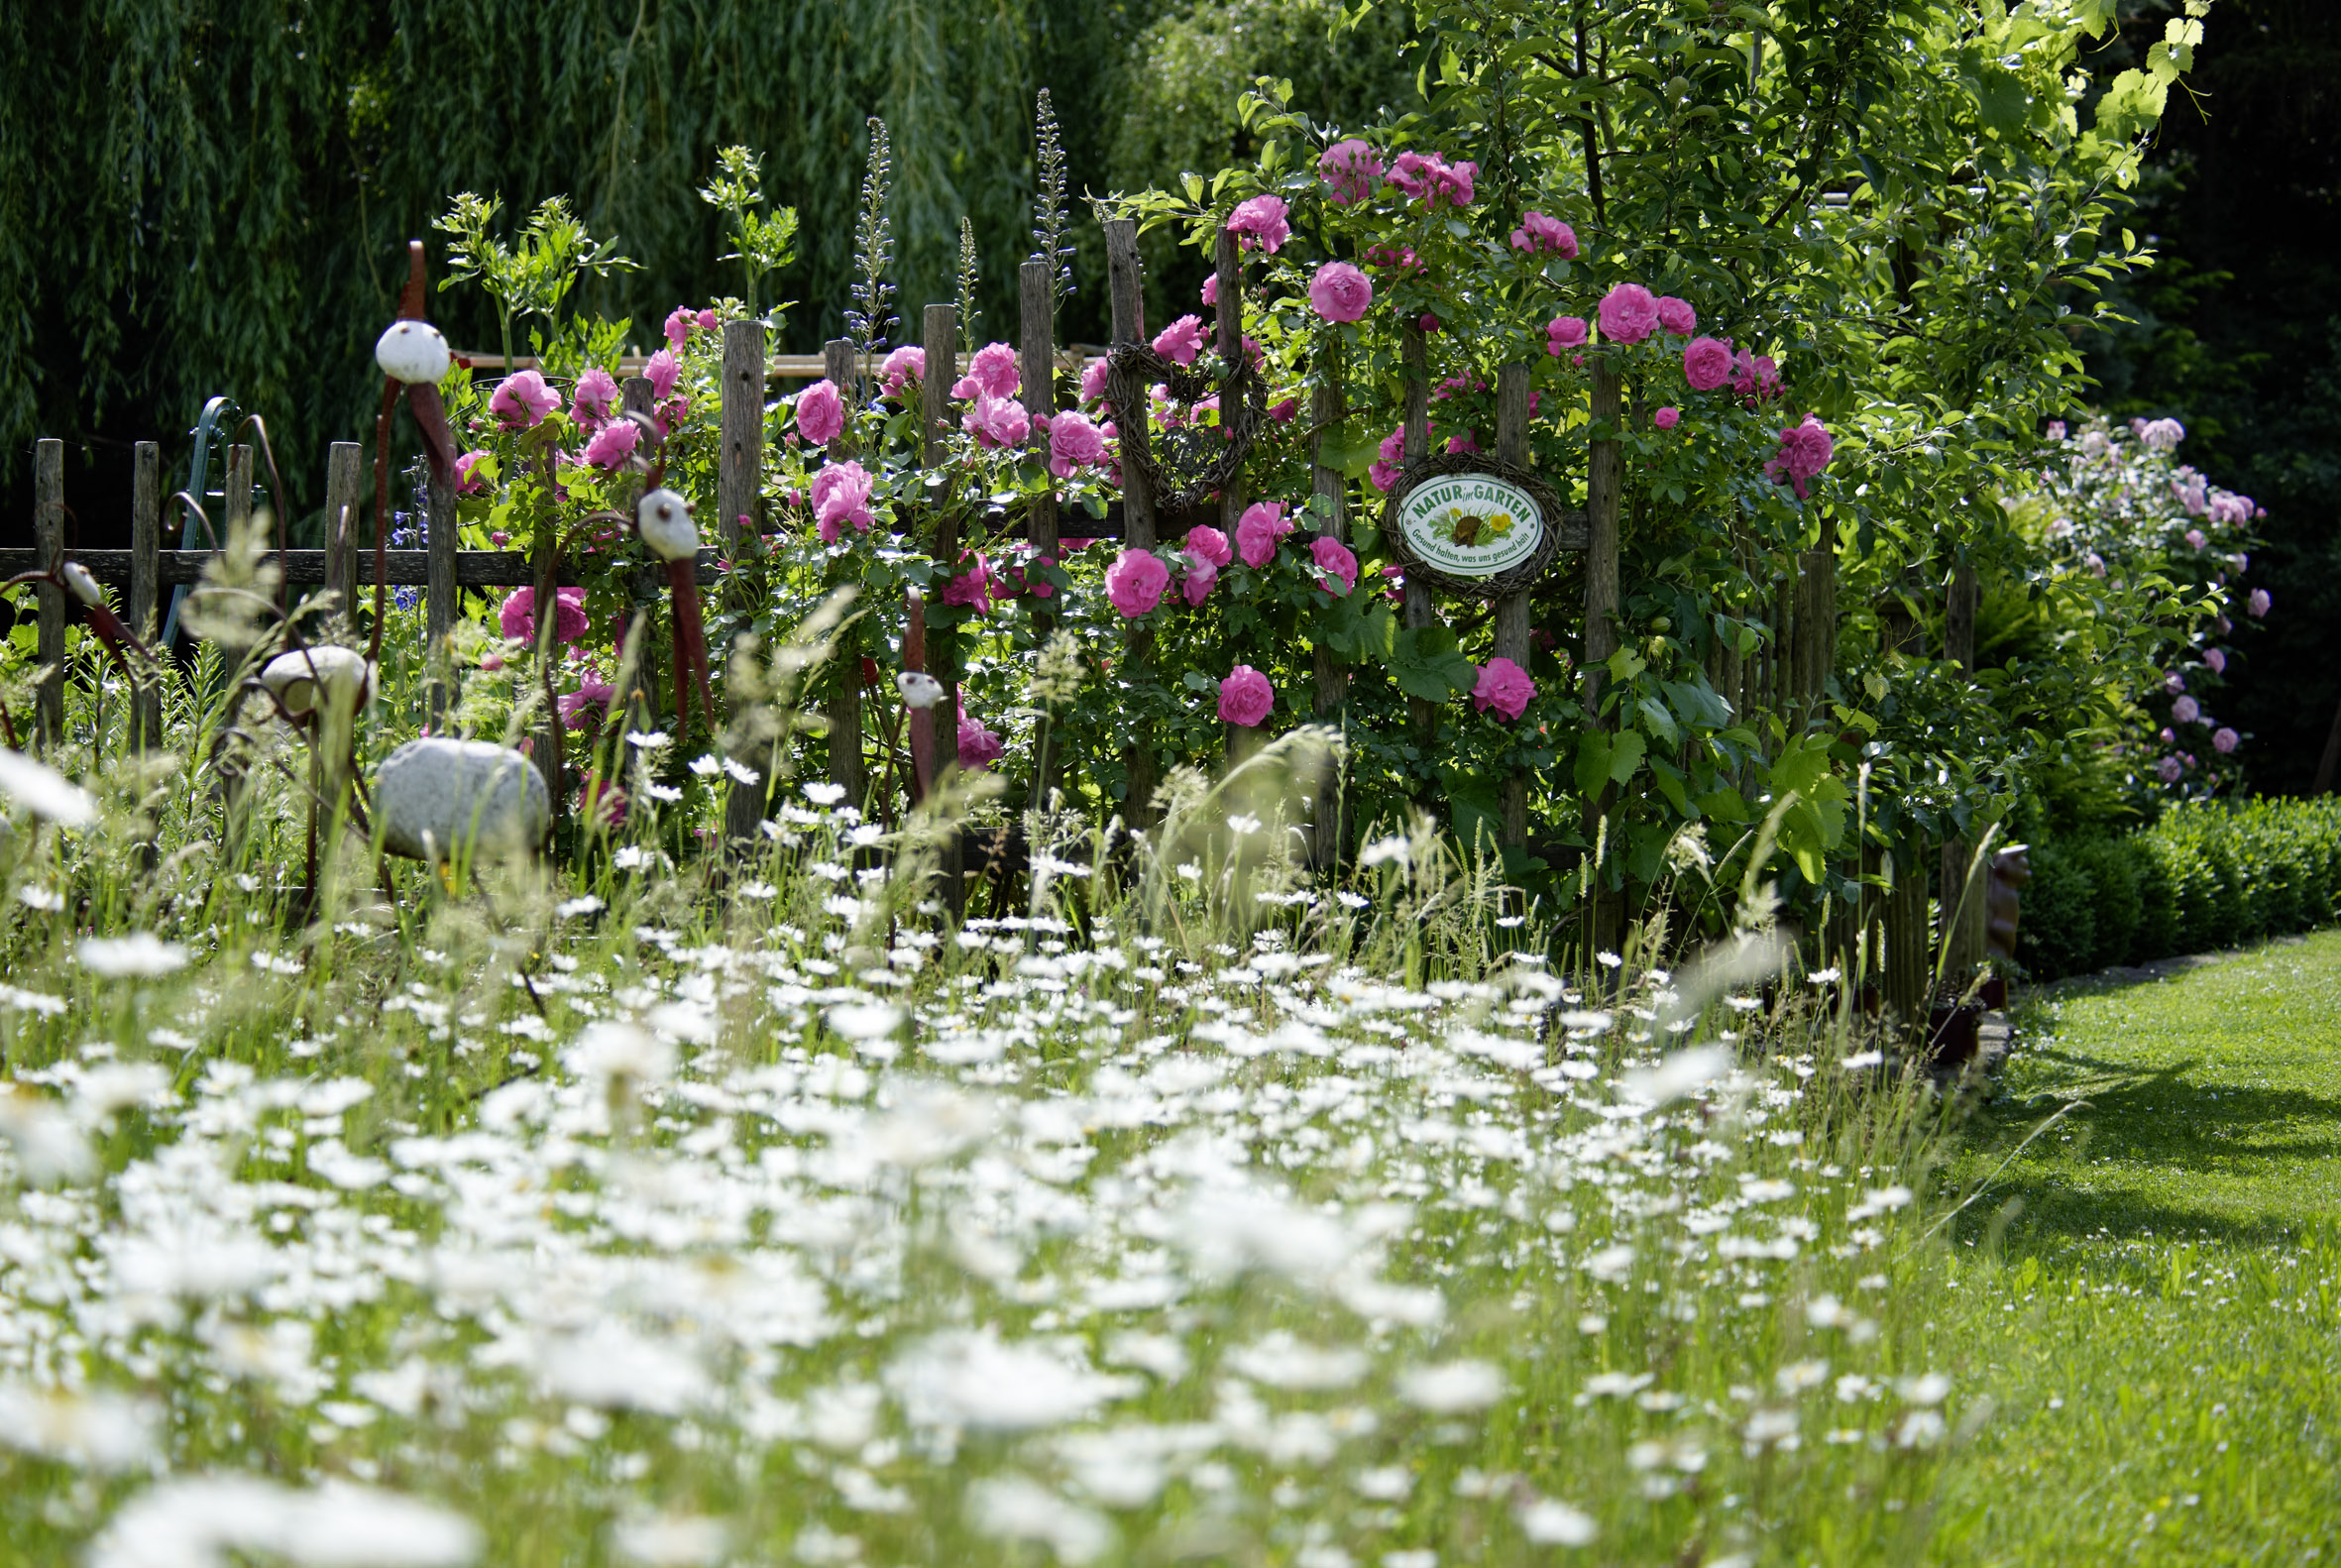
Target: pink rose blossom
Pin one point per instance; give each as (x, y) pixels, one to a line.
(2224, 740)
(1135, 583)
(1074, 442)
(1212, 290)
(2258, 604)
(2174, 682)
(663, 370)
(1707, 363)
(2186, 711)
(518, 616)
(997, 423)
(1503, 687)
(1285, 413)
(1563, 332)
(841, 494)
(1629, 313)
(1677, 316)
(1539, 233)
(1182, 340)
(1258, 530)
(680, 324)
(596, 393)
(1200, 576)
(979, 748)
(2217, 659)
(707, 321)
(1339, 292)
(974, 588)
(1754, 375)
(2170, 736)
(1352, 168)
(2195, 539)
(902, 367)
(1431, 180)
(612, 444)
(1805, 450)
(1261, 222)
(1399, 259)
(1094, 376)
(1385, 473)
(2168, 770)
(464, 484)
(1244, 697)
(993, 373)
(1466, 442)
(1336, 561)
(1206, 544)
(586, 704)
(820, 412)
(523, 400)
(1667, 417)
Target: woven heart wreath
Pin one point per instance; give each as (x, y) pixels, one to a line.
(1186, 465)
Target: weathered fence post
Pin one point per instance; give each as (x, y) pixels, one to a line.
(1961, 896)
(844, 704)
(345, 499)
(740, 470)
(1906, 942)
(49, 533)
(739, 478)
(1421, 610)
(1511, 610)
(439, 591)
(1605, 480)
(146, 582)
(1605, 485)
(236, 497)
(1036, 300)
(637, 395)
(1328, 413)
(1814, 652)
(941, 336)
(1228, 340)
(1130, 395)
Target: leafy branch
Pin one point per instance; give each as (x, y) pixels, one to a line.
(533, 276)
(764, 242)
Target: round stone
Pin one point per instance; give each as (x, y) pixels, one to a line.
(295, 677)
(436, 795)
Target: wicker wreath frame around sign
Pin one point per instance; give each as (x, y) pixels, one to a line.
(1513, 579)
(1186, 467)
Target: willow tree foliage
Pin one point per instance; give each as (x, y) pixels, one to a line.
(229, 209)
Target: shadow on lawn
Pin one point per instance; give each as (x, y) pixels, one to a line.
(2156, 1118)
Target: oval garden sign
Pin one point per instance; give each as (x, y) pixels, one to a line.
(1472, 525)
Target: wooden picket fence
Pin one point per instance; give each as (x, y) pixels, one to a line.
(1786, 674)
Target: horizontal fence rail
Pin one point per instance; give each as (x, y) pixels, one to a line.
(306, 568)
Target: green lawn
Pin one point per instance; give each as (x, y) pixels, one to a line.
(2151, 1290)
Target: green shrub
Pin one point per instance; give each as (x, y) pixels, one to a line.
(2117, 905)
(2207, 875)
